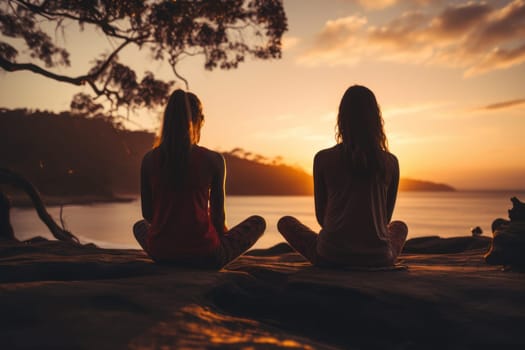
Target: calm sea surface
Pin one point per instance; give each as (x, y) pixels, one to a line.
(427, 213)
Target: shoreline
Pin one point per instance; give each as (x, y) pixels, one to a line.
(23, 201)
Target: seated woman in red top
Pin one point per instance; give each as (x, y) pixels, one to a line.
(355, 189)
(182, 192)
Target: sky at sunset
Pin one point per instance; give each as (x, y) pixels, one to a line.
(449, 76)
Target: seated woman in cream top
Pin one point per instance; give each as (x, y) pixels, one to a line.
(355, 188)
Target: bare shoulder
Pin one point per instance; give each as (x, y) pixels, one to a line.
(149, 155)
(391, 162)
(214, 158)
(327, 154)
(391, 158)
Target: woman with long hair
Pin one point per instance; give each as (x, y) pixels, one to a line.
(355, 190)
(182, 193)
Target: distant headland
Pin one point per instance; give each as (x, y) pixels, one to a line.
(406, 184)
(71, 155)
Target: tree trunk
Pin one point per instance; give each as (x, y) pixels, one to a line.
(11, 178)
(6, 230)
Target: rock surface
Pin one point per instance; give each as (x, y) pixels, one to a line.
(508, 245)
(57, 295)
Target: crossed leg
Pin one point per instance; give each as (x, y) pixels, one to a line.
(300, 237)
(397, 231)
(140, 231)
(304, 240)
(235, 242)
(239, 239)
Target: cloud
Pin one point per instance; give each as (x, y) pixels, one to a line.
(498, 59)
(339, 31)
(289, 42)
(331, 43)
(383, 4)
(504, 104)
(377, 4)
(458, 20)
(475, 36)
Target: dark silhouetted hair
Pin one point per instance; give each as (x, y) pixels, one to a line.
(360, 130)
(180, 131)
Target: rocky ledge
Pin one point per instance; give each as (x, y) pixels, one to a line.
(58, 295)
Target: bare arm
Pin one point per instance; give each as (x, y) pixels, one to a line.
(392, 190)
(217, 212)
(320, 195)
(145, 189)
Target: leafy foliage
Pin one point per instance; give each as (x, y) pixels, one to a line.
(224, 32)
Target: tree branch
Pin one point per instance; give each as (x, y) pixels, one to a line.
(80, 80)
(9, 177)
(107, 28)
(13, 67)
(173, 30)
(173, 63)
(111, 57)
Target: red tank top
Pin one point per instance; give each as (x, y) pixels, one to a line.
(181, 226)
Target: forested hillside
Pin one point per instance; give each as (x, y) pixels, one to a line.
(63, 154)
(67, 155)
(251, 177)
(418, 185)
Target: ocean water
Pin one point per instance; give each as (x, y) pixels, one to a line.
(445, 214)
